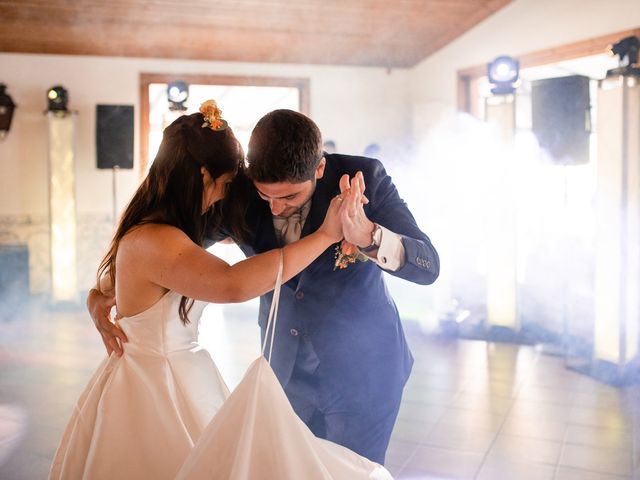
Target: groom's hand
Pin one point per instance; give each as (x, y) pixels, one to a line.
(99, 307)
(357, 228)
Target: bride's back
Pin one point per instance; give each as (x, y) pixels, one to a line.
(140, 251)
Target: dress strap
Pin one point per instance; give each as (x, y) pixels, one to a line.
(273, 311)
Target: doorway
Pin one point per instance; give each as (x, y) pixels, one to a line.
(243, 101)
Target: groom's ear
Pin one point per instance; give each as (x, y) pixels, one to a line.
(320, 168)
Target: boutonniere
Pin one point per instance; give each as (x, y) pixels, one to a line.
(212, 116)
(347, 253)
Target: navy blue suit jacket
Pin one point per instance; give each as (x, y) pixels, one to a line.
(348, 315)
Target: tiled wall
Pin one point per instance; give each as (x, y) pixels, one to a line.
(94, 234)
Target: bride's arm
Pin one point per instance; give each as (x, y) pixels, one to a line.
(176, 263)
(165, 256)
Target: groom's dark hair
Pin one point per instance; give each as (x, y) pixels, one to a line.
(285, 146)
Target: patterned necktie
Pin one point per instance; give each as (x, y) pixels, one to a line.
(289, 229)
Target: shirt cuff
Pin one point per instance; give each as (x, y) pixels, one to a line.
(391, 253)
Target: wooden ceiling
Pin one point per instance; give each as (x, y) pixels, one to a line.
(385, 33)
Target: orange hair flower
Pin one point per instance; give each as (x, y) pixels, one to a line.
(212, 116)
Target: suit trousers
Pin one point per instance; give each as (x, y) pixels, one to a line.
(364, 431)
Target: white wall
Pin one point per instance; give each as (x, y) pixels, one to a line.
(521, 27)
(353, 106)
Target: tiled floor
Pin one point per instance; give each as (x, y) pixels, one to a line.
(471, 410)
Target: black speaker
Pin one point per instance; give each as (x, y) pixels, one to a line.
(114, 136)
(561, 117)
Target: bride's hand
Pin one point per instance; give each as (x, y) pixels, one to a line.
(99, 307)
(332, 226)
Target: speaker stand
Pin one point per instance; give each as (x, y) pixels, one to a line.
(114, 193)
(559, 346)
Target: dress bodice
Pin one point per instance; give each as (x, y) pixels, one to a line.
(158, 330)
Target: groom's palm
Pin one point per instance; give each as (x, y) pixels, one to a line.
(356, 226)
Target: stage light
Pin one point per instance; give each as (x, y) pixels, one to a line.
(6, 111)
(177, 93)
(503, 72)
(57, 98)
(627, 51)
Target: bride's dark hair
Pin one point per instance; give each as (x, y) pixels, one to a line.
(172, 191)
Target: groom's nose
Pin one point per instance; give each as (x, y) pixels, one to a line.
(277, 206)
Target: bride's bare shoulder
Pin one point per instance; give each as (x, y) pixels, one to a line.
(153, 238)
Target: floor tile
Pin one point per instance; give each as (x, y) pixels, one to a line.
(413, 473)
(498, 467)
(599, 437)
(533, 410)
(410, 432)
(461, 438)
(600, 460)
(597, 417)
(539, 428)
(13, 428)
(483, 403)
(526, 449)
(25, 466)
(447, 463)
(429, 396)
(471, 419)
(551, 395)
(398, 452)
(568, 473)
(393, 469)
(419, 412)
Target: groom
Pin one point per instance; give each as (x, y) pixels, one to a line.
(340, 352)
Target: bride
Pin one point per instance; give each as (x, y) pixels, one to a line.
(143, 412)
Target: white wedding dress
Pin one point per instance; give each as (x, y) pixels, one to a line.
(162, 411)
(141, 413)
